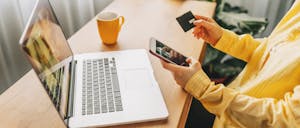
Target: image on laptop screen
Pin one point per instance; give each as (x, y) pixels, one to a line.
(47, 49)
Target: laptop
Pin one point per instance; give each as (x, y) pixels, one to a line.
(92, 89)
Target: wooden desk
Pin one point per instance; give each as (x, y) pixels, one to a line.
(26, 104)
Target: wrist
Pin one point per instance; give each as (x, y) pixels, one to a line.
(219, 36)
(198, 83)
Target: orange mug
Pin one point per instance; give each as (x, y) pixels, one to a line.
(109, 26)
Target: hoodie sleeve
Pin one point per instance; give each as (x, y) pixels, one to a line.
(240, 47)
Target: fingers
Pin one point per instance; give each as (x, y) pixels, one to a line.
(199, 17)
(169, 66)
(188, 60)
(193, 62)
(202, 28)
(204, 24)
(199, 32)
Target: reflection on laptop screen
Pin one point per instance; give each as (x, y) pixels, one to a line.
(49, 54)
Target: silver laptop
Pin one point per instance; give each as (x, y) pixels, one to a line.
(93, 89)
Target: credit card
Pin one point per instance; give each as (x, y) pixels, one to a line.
(186, 21)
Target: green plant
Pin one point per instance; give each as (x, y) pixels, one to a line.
(219, 66)
(236, 19)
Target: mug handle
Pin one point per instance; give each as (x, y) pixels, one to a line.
(121, 22)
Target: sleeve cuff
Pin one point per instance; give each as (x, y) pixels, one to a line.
(226, 38)
(197, 84)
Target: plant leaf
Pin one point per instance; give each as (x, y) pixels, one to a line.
(241, 23)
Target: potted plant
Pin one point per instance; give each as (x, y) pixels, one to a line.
(220, 67)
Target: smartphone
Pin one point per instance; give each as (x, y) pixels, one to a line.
(166, 53)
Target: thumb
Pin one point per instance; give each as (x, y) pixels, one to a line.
(194, 63)
(189, 60)
(204, 24)
(199, 17)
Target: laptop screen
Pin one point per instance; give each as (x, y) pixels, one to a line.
(48, 51)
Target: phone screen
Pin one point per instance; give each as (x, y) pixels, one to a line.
(170, 54)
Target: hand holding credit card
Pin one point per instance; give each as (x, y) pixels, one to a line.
(186, 21)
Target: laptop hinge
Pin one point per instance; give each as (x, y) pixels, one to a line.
(70, 113)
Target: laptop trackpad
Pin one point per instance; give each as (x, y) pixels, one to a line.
(137, 78)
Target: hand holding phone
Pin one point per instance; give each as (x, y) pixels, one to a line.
(166, 53)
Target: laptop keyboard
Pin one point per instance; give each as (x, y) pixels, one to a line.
(100, 87)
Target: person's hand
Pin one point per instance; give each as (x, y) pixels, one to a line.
(207, 29)
(182, 74)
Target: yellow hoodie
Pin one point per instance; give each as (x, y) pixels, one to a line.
(267, 92)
